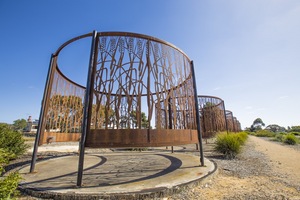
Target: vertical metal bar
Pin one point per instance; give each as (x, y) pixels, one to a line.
(204, 129)
(170, 118)
(42, 112)
(148, 65)
(88, 100)
(197, 114)
(170, 113)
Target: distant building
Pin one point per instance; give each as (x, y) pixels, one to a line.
(32, 126)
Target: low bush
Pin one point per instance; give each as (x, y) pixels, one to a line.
(279, 137)
(230, 144)
(290, 139)
(242, 137)
(295, 133)
(250, 133)
(12, 141)
(8, 184)
(265, 133)
(12, 145)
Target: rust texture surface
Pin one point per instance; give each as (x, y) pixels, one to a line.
(212, 115)
(142, 95)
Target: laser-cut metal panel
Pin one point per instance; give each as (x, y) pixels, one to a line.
(64, 112)
(133, 73)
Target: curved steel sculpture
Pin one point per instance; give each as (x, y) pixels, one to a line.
(135, 82)
(232, 122)
(237, 125)
(212, 115)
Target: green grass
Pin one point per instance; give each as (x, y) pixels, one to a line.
(278, 137)
(290, 139)
(264, 133)
(230, 144)
(295, 133)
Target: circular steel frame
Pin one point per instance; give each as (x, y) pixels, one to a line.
(131, 70)
(212, 115)
(128, 75)
(232, 122)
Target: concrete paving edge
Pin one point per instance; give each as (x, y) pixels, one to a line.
(144, 194)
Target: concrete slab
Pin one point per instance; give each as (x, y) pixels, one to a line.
(122, 175)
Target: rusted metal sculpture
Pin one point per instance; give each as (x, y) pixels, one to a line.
(237, 125)
(212, 115)
(232, 122)
(135, 82)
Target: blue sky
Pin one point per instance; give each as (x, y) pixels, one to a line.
(245, 52)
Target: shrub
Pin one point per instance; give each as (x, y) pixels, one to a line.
(265, 133)
(242, 137)
(290, 139)
(279, 137)
(8, 184)
(12, 145)
(12, 141)
(295, 133)
(228, 144)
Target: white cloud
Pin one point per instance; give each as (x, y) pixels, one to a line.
(283, 97)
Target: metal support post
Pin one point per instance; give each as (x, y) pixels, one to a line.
(197, 115)
(87, 107)
(42, 112)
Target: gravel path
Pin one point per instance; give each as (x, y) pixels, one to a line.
(253, 174)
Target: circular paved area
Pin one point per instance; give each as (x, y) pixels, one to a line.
(121, 175)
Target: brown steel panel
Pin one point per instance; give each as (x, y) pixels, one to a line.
(61, 137)
(139, 138)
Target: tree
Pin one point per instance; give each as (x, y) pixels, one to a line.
(19, 124)
(12, 141)
(294, 129)
(145, 121)
(257, 125)
(134, 120)
(275, 128)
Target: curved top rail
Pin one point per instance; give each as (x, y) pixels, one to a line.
(128, 34)
(120, 34)
(228, 112)
(66, 78)
(212, 97)
(70, 41)
(207, 96)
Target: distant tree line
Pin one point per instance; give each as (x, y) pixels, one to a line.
(258, 125)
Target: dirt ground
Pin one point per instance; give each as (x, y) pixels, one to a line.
(264, 170)
(284, 159)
